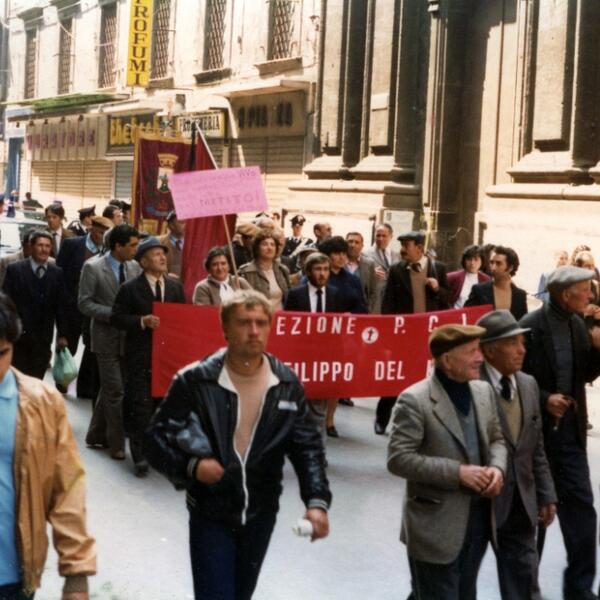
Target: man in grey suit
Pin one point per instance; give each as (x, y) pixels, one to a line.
(363, 267)
(528, 494)
(100, 280)
(384, 257)
(447, 442)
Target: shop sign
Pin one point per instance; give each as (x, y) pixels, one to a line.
(213, 124)
(140, 40)
(274, 115)
(122, 130)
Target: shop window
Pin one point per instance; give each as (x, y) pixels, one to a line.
(214, 44)
(281, 28)
(160, 39)
(64, 55)
(31, 36)
(108, 46)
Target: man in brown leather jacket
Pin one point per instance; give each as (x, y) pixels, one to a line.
(41, 481)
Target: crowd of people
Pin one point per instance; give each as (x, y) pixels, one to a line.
(492, 444)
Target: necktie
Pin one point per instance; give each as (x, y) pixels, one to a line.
(55, 243)
(385, 259)
(319, 300)
(505, 388)
(40, 272)
(157, 291)
(416, 267)
(178, 245)
(121, 273)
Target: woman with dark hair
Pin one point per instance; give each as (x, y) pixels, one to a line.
(220, 284)
(265, 273)
(461, 282)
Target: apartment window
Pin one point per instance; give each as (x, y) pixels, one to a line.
(160, 41)
(215, 34)
(281, 28)
(30, 61)
(64, 55)
(108, 46)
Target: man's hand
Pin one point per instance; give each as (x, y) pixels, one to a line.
(380, 273)
(495, 485)
(474, 477)
(151, 322)
(320, 522)
(61, 343)
(557, 405)
(546, 514)
(75, 596)
(592, 310)
(432, 282)
(595, 334)
(209, 471)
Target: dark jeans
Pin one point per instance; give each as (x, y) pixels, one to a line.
(13, 591)
(457, 580)
(226, 560)
(516, 555)
(575, 509)
(31, 356)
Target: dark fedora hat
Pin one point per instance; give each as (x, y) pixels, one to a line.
(147, 244)
(499, 324)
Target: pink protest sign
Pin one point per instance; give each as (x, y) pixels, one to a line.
(217, 192)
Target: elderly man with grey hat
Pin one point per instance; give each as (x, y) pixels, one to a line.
(528, 494)
(133, 313)
(447, 443)
(562, 357)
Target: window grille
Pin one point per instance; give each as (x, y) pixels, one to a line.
(64, 55)
(160, 39)
(215, 34)
(281, 21)
(30, 60)
(108, 38)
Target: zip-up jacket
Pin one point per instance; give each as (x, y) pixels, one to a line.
(251, 485)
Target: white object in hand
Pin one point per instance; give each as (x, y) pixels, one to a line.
(303, 528)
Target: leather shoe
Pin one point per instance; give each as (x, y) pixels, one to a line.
(141, 469)
(332, 432)
(579, 595)
(345, 402)
(379, 428)
(118, 455)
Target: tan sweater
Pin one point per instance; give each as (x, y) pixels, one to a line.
(251, 391)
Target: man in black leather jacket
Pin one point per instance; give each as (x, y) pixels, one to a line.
(223, 432)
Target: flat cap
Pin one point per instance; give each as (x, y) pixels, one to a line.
(147, 244)
(499, 324)
(102, 222)
(564, 277)
(247, 229)
(308, 249)
(87, 212)
(418, 237)
(298, 220)
(446, 337)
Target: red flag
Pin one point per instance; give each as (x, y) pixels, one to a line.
(156, 158)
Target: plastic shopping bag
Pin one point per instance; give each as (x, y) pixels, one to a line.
(65, 368)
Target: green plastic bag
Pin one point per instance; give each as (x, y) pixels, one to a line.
(65, 368)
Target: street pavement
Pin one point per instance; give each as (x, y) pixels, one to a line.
(141, 527)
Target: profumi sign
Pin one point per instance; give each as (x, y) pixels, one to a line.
(140, 43)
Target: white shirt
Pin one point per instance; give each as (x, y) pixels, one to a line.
(385, 254)
(470, 280)
(225, 290)
(495, 377)
(161, 282)
(312, 295)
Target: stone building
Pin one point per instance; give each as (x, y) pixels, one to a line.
(477, 116)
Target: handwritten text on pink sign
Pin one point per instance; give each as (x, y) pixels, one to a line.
(217, 192)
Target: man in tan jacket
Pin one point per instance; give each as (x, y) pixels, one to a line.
(41, 481)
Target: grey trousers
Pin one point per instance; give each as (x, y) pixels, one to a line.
(106, 426)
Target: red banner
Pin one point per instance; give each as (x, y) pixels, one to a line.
(156, 159)
(334, 355)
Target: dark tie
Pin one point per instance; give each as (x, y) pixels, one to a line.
(40, 272)
(385, 259)
(505, 388)
(319, 300)
(121, 273)
(157, 291)
(178, 245)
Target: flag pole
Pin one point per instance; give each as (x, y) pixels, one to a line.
(197, 128)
